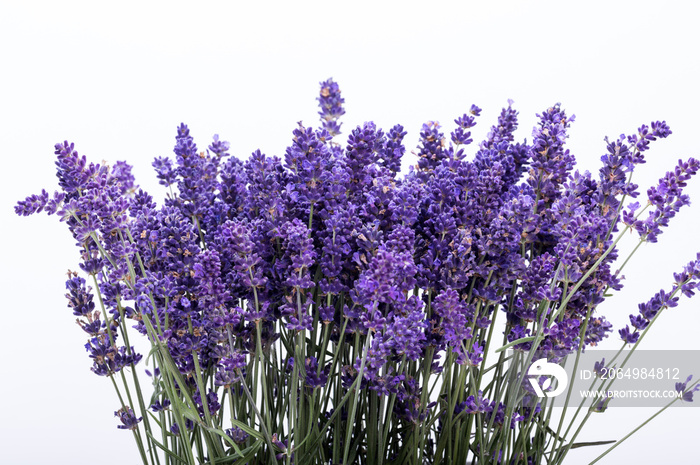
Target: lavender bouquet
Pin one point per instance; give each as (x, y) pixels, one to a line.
(322, 309)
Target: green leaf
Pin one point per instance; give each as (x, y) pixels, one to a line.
(168, 452)
(154, 418)
(248, 455)
(576, 445)
(517, 341)
(226, 438)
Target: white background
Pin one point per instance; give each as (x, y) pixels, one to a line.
(118, 79)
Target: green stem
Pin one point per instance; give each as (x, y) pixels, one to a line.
(353, 407)
(631, 433)
(265, 432)
(135, 431)
(258, 354)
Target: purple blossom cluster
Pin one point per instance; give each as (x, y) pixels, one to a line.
(330, 243)
(128, 418)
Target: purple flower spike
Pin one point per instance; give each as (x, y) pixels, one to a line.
(599, 367)
(331, 104)
(503, 131)
(238, 435)
(32, 204)
(667, 199)
(687, 393)
(128, 418)
(462, 135)
(630, 337)
(79, 297)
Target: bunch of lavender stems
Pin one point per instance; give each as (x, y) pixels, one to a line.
(320, 309)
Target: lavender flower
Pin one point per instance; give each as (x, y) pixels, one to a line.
(630, 337)
(128, 418)
(331, 104)
(285, 278)
(238, 435)
(79, 297)
(667, 198)
(687, 393)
